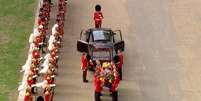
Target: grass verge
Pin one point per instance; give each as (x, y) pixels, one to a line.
(16, 24)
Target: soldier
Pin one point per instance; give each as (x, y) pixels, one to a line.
(61, 29)
(28, 95)
(52, 69)
(115, 81)
(36, 54)
(34, 71)
(98, 16)
(120, 64)
(30, 80)
(47, 93)
(35, 62)
(98, 88)
(115, 84)
(41, 39)
(49, 79)
(54, 56)
(84, 66)
(41, 18)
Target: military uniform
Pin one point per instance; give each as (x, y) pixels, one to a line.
(84, 67)
(98, 88)
(120, 64)
(98, 16)
(28, 95)
(47, 93)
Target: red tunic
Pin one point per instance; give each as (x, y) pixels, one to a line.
(120, 55)
(47, 96)
(35, 70)
(36, 45)
(35, 54)
(53, 55)
(41, 21)
(39, 39)
(98, 16)
(84, 62)
(30, 82)
(49, 80)
(98, 87)
(27, 97)
(115, 83)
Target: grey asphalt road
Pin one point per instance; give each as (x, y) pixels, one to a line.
(162, 57)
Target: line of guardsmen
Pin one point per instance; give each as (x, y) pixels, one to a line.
(36, 66)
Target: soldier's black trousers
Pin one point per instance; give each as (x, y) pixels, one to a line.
(84, 75)
(120, 73)
(97, 96)
(115, 96)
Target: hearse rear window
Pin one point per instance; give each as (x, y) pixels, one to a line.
(101, 35)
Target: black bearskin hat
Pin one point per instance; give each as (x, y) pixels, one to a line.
(98, 7)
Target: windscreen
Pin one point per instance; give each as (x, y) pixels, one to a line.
(101, 55)
(101, 35)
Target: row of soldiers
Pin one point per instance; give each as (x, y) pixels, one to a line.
(38, 67)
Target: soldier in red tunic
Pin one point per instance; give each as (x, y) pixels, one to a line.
(98, 88)
(115, 84)
(47, 93)
(36, 54)
(98, 16)
(30, 80)
(120, 64)
(34, 69)
(52, 70)
(34, 72)
(61, 29)
(35, 61)
(41, 18)
(84, 66)
(28, 95)
(54, 56)
(49, 79)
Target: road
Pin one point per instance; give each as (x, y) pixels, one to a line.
(162, 57)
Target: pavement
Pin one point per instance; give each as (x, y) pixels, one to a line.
(162, 57)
